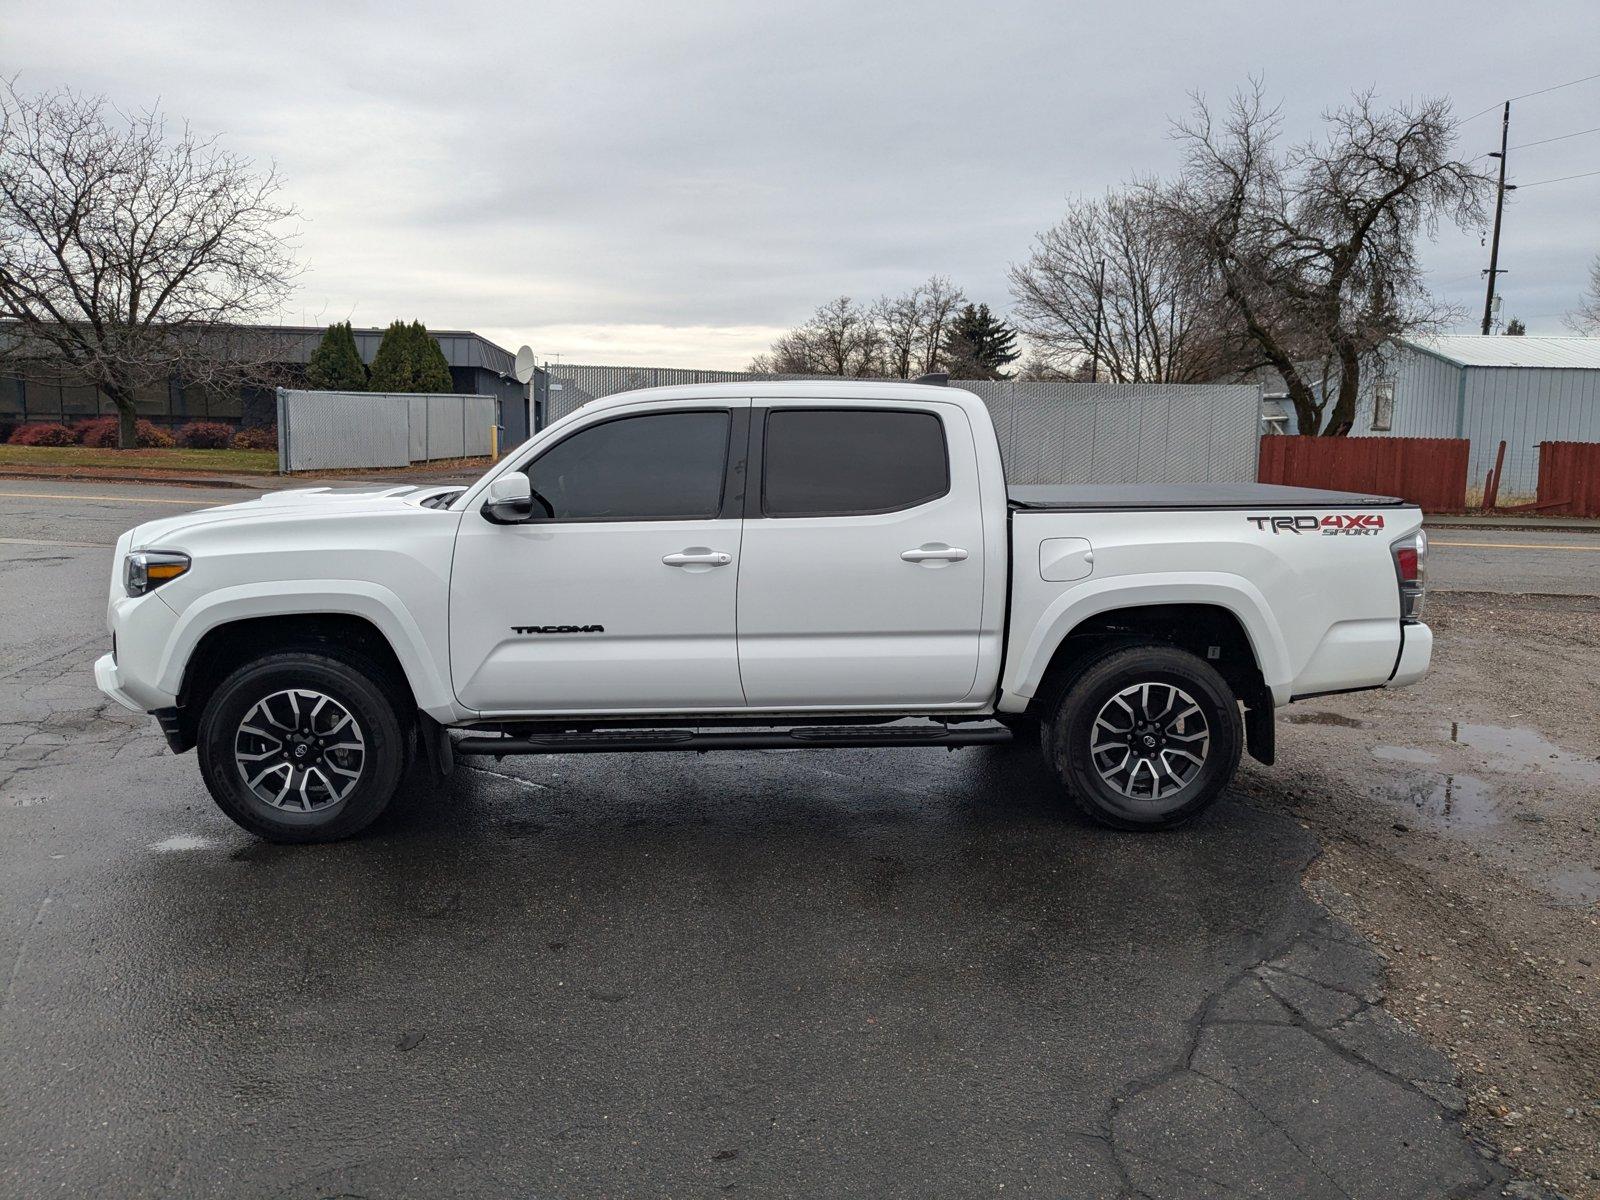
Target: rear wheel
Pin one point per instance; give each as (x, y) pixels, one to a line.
(301, 747)
(1146, 737)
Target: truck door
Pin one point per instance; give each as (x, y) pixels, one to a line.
(618, 593)
(861, 582)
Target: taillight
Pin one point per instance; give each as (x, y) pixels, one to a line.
(1411, 569)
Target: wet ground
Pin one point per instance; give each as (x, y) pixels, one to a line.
(1465, 842)
(831, 972)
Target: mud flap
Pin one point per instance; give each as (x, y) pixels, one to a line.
(437, 747)
(1260, 731)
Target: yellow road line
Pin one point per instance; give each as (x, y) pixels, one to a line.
(1517, 546)
(112, 499)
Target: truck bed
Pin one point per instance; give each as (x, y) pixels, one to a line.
(1155, 497)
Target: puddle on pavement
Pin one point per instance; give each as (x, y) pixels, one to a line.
(1523, 748)
(1450, 802)
(1324, 718)
(1576, 885)
(1405, 754)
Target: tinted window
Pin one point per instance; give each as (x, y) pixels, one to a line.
(832, 462)
(665, 466)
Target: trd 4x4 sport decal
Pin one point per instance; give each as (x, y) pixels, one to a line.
(1347, 523)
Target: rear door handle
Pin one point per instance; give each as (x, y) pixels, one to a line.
(934, 552)
(705, 558)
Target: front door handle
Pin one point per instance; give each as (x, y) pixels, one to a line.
(934, 552)
(698, 558)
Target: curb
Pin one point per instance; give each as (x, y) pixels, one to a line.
(152, 477)
(1551, 525)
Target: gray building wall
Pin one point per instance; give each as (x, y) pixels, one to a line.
(1434, 397)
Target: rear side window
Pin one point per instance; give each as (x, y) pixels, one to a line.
(654, 467)
(844, 462)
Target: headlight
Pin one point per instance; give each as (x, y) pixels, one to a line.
(149, 569)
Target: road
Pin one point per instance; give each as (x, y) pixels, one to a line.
(1514, 560)
(895, 973)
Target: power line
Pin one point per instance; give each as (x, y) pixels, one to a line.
(1553, 88)
(1561, 179)
(1560, 138)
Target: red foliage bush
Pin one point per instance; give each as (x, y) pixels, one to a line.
(206, 435)
(43, 434)
(101, 433)
(259, 437)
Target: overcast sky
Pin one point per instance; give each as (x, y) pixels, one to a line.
(674, 184)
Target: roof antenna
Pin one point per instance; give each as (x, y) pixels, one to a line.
(934, 379)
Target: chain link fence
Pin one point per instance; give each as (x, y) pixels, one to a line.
(328, 430)
(1050, 432)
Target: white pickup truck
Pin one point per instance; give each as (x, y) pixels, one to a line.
(746, 566)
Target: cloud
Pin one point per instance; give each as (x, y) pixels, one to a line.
(653, 180)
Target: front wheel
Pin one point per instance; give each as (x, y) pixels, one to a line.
(1146, 738)
(301, 747)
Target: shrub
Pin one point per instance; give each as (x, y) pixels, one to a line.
(206, 435)
(101, 434)
(409, 360)
(335, 364)
(7, 428)
(42, 434)
(259, 437)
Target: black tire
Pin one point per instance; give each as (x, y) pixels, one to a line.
(1159, 746)
(365, 696)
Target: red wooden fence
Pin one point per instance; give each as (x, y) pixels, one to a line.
(1430, 472)
(1569, 479)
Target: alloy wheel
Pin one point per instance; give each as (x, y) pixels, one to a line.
(1150, 741)
(299, 750)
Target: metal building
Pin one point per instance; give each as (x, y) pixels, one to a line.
(1522, 390)
(477, 367)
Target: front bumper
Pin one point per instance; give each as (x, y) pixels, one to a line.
(1416, 653)
(109, 680)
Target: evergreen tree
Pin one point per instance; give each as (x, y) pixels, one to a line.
(978, 345)
(409, 360)
(1516, 328)
(336, 364)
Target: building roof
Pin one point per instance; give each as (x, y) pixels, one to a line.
(1499, 350)
(462, 347)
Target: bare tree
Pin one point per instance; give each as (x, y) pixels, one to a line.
(841, 338)
(1106, 280)
(896, 338)
(899, 320)
(1314, 248)
(940, 302)
(128, 254)
(1586, 317)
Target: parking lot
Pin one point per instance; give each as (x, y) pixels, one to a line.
(885, 972)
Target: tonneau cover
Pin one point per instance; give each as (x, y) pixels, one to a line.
(1156, 496)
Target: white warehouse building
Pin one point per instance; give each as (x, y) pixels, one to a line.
(1523, 390)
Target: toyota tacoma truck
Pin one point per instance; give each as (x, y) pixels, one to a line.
(751, 566)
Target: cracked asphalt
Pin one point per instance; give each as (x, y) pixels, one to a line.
(888, 973)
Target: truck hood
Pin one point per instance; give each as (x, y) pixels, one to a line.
(318, 501)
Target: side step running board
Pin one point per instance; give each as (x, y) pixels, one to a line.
(633, 741)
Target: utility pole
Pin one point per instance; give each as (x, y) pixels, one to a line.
(1099, 320)
(1499, 207)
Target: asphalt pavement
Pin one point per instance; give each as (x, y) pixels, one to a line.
(888, 972)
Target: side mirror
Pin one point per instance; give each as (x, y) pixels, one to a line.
(510, 500)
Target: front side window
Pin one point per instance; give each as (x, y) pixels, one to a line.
(654, 467)
(850, 462)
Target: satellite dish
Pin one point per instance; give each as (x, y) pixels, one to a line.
(525, 365)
